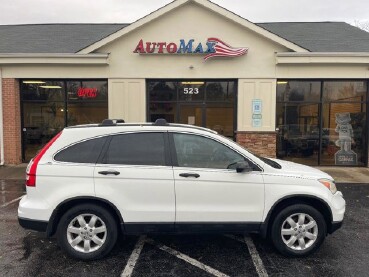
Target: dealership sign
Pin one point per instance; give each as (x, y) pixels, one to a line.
(213, 47)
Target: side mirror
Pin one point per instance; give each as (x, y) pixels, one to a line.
(243, 167)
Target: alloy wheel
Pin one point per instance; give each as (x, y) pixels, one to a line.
(86, 233)
(299, 231)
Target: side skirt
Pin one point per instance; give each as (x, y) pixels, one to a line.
(191, 227)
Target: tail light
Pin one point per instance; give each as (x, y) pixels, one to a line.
(32, 167)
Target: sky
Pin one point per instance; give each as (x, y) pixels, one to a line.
(127, 11)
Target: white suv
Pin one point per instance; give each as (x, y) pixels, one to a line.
(92, 181)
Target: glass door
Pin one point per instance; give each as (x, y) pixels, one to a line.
(204, 103)
(43, 111)
(192, 114)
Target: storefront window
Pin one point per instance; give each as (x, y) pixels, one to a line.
(298, 91)
(49, 91)
(323, 123)
(344, 123)
(298, 135)
(162, 91)
(220, 91)
(50, 105)
(345, 91)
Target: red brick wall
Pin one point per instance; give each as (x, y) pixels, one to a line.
(12, 121)
(261, 143)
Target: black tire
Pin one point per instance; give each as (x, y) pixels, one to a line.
(276, 230)
(104, 219)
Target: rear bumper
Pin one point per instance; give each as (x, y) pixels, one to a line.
(31, 224)
(335, 226)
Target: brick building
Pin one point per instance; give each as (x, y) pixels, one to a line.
(296, 91)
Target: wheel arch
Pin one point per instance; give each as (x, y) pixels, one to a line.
(282, 203)
(71, 202)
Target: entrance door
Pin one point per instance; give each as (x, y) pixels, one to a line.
(192, 114)
(204, 103)
(41, 123)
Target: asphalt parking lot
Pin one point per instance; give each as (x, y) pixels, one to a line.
(345, 253)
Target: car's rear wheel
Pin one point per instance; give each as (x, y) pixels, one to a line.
(87, 232)
(298, 230)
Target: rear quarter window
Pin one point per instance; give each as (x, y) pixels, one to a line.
(82, 152)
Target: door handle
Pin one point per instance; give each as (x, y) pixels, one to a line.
(186, 175)
(109, 172)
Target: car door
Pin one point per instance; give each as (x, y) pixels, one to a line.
(136, 176)
(208, 188)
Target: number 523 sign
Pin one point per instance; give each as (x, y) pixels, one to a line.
(190, 91)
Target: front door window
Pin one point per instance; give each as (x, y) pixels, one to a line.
(201, 152)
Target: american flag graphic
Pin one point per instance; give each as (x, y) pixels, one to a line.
(222, 49)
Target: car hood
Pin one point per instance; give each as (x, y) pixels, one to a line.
(304, 171)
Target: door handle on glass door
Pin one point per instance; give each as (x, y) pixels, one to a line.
(186, 175)
(109, 172)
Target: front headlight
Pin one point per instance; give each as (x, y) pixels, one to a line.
(329, 184)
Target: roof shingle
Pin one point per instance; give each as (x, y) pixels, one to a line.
(322, 36)
(52, 38)
(70, 38)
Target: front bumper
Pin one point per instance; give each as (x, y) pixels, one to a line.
(338, 207)
(335, 226)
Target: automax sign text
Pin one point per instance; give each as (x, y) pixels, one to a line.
(213, 47)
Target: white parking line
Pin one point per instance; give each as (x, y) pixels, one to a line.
(127, 272)
(187, 259)
(11, 202)
(258, 263)
(260, 269)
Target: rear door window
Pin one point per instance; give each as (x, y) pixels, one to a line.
(136, 149)
(82, 152)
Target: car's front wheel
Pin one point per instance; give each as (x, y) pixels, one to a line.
(298, 230)
(87, 232)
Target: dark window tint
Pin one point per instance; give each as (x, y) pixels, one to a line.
(137, 149)
(200, 152)
(83, 152)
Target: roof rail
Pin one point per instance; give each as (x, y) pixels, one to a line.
(111, 122)
(160, 122)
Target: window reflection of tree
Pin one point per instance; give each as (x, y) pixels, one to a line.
(215, 91)
(163, 91)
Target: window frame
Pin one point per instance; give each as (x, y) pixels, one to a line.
(173, 152)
